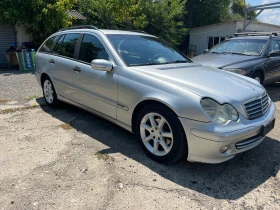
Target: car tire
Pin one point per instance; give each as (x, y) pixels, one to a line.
(161, 134)
(49, 92)
(258, 76)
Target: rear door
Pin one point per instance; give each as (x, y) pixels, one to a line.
(94, 88)
(62, 63)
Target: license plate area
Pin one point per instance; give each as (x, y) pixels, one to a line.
(267, 128)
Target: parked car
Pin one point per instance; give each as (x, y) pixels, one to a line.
(256, 55)
(144, 85)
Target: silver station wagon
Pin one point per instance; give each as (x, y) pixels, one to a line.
(175, 107)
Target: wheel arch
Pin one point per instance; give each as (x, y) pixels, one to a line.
(43, 77)
(260, 69)
(143, 104)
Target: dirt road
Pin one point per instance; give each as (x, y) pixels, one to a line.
(67, 158)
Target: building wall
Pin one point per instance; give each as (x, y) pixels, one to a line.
(199, 36)
(6, 37)
(9, 34)
(257, 27)
(22, 36)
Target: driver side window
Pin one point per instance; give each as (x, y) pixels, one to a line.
(273, 46)
(91, 48)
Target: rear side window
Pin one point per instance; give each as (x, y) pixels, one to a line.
(91, 48)
(47, 46)
(66, 45)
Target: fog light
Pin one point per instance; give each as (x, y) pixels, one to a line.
(223, 149)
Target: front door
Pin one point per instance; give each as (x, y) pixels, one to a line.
(94, 88)
(273, 63)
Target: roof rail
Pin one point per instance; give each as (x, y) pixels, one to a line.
(275, 33)
(80, 27)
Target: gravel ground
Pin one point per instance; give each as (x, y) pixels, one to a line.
(19, 85)
(67, 158)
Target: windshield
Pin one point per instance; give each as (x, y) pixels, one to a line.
(240, 46)
(138, 50)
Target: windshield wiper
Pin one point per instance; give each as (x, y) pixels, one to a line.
(157, 63)
(178, 61)
(146, 64)
(215, 52)
(234, 53)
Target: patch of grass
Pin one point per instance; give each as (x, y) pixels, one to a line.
(32, 97)
(4, 100)
(102, 156)
(66, 126)
(11, 110)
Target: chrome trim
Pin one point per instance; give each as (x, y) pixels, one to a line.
(257, 107)
(247, 142)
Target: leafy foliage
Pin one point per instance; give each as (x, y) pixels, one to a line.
(205, 12)
(238, 7)
(40, 17)
(166, 20)
(163, 18)
(113, 14)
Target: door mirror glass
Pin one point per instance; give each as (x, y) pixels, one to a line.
(101, 64)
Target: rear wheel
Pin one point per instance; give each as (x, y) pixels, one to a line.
(161, 134)
(49, 92)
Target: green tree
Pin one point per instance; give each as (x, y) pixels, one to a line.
(166, 20)
(40, 17)
(163, 18)
(238, 7)
(113, 14)
(206, 12)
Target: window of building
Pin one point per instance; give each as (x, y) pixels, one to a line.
(212, 41)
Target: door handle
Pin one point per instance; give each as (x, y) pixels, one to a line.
(52, 61)
(76, 68)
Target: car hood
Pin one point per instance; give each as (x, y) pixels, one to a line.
(223, 60)
(223, 86)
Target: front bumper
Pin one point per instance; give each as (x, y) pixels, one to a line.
(205, 140)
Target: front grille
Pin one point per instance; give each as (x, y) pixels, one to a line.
(257, 107)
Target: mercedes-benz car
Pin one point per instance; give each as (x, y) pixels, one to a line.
(175, 107)
(256, 55)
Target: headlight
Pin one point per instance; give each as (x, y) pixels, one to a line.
(237, 71)
(219, 113)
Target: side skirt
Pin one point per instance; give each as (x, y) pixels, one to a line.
(126, 127)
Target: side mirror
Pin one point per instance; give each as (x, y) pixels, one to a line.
(102, 65)
(206, 51)
(274, 53)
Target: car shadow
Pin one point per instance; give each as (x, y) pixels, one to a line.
(229, 180)
(7, 72)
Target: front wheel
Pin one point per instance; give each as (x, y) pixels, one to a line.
(258, 76)
(49, 93)
(161, 134)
